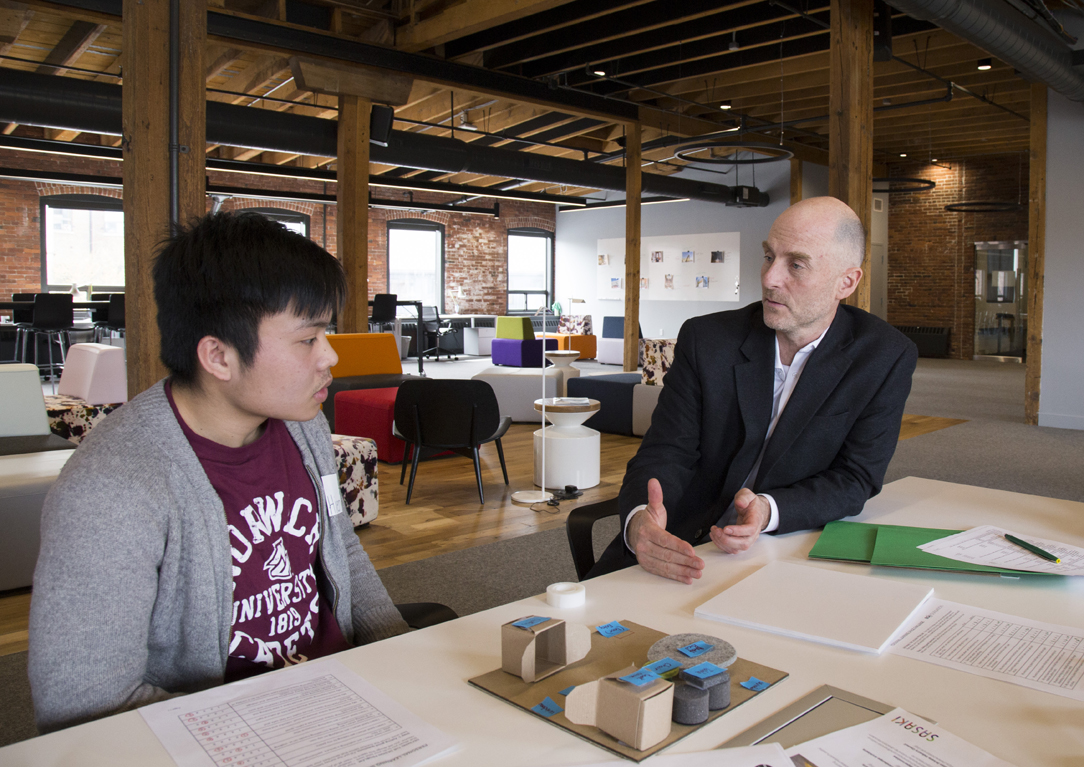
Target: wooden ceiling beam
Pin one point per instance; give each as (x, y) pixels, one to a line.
(80, 36)
(466, 18)
(14, 17)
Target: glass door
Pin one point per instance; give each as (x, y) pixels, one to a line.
(1001, 310)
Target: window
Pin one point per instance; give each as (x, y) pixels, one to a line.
(416, 262)
(295, 222)
(82, 242)
(530, 270)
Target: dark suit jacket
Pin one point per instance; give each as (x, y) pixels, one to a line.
(828, 453)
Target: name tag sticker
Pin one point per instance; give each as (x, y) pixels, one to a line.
(547, 708)
(695, 649)
(526, 623)
(640, 677)
(568, 689)
(333, 494)
(611, 629)
(664, 666)
(756, 685)
(704, 670)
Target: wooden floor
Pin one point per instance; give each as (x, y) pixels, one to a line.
(444, 514)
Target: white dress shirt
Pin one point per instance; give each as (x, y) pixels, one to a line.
(786, 378)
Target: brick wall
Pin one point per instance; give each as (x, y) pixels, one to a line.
(931, 256)
(475, 246)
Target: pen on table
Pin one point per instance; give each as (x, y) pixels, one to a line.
(1032, 548)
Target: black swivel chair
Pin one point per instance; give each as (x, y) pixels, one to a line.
(578, 525)
(22, 318)
(451, 415)
(54, 315)
(420, 615)
(114, 322)
(435, 330)
(384, 311)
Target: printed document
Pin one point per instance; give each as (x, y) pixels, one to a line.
(315, 713)
(986, 545)
(765, 755)
(897, 739)
(1029, 653)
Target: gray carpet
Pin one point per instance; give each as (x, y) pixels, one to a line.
(16, 710)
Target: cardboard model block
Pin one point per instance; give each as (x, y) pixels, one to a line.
(544, 649)
(637, 716)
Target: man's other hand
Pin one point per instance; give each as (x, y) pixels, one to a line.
(658, 551)
(754, 513)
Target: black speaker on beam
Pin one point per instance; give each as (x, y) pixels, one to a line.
(380, 119)
(882, 31)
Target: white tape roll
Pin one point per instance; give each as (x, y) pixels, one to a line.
(566, 594)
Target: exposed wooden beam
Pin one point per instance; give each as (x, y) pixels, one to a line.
(375, 85)
(633, 182)
(795, 180)
(221, 62)
(467, 18)
(850, 166)
(13, 20)
(80, 36)
(352, 217)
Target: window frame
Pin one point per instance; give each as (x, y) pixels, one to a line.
(425, 226)
(72, 202)
(283, 214)
(529, 231)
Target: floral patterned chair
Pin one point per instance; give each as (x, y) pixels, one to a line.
(574, 333)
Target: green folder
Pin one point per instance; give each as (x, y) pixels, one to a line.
(891, 546)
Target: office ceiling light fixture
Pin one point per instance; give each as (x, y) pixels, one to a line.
(726, 105)
(620, 203)
(987, 206)
(466, 124)
(985, 64)
(768, 152)
(902, 185)
(903, 154)
(598, 72)
(733, 46)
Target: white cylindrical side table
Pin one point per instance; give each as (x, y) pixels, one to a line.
(562, 364)
(572, 449)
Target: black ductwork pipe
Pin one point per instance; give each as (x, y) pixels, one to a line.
(68, 104)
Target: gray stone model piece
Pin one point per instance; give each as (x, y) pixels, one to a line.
(690, 704)
(718, 688)
(722, 653)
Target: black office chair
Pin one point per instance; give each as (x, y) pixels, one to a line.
(384, 311)
(435, 330)
(114, 322)
(451, 415)
(22, 318)
(578, 525)
(54, 315)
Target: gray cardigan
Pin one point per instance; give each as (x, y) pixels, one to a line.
(133, 591)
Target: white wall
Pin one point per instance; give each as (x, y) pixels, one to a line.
(578, 232)
(1061, 401)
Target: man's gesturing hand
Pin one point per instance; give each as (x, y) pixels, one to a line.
(754, 514)
(658, 551)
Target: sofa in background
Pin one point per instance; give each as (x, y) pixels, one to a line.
(658, 356)
(518, 388)
(611, 347)
(574, 333)
(366, 361)
(516, 346)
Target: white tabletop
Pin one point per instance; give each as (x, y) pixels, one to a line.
(1023, 726)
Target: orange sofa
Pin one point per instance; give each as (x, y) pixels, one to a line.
(366, 361)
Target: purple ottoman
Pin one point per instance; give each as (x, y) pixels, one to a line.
(525, 353)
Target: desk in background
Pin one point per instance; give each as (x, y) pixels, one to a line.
(427, 671)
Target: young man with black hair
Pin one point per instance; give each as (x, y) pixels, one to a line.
(198, 536)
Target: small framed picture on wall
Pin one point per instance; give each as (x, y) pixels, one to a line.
(688, 256)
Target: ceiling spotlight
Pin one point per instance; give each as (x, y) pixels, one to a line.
(985, 64)
(934, 160)
(903, 154)
(465, 124)
(733, 41)
(726, 105)
(599, 72)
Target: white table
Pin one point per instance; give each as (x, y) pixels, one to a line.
(1025, 727)
(573, 451)
(562, 360)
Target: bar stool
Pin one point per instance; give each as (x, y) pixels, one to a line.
(53, 316)
(114, 322)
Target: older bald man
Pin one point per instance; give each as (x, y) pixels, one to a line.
(776, 417)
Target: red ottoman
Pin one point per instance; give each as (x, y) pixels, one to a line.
(370, 413)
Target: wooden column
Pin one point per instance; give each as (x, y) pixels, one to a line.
(795, 180)
(850, 122)
(632, 247)
(145, 145)
(1036, 252)
(352, 219)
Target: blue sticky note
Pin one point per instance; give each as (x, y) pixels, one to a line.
(704, 670)
(664, 666)
(568, 689)
(756, 685)
(640, 677)
(611, 629)
(695, 649)
(526, 623)
(547, 708)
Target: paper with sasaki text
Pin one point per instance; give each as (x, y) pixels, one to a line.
(315, 713)
(1042, 656)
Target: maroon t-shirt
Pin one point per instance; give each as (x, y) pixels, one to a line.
(274, 527)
